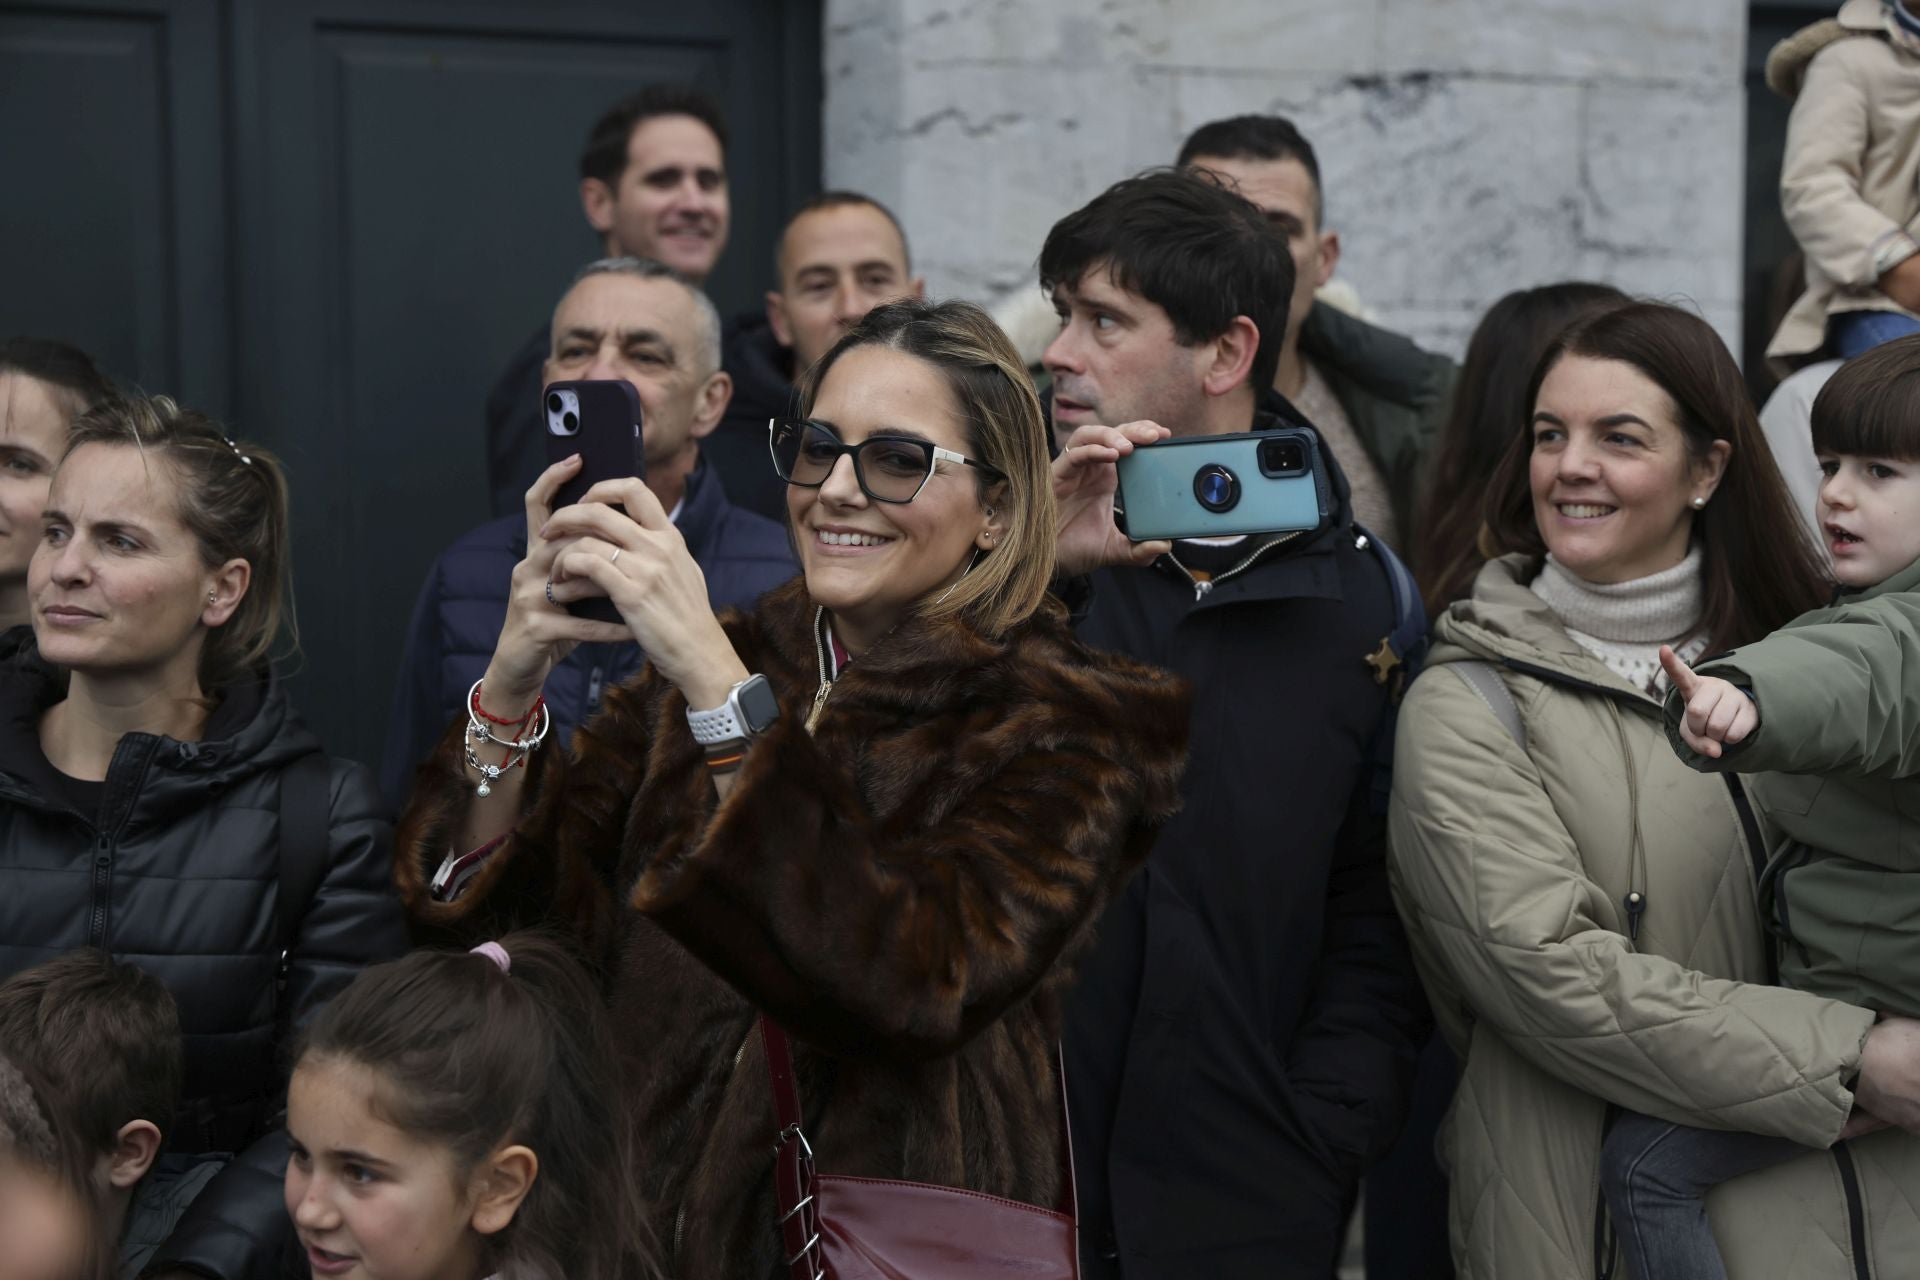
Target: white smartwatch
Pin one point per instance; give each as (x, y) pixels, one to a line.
(750, 709)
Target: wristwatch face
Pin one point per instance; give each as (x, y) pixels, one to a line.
(758, 707)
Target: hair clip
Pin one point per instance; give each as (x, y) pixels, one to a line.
(496, 953)
(231, 444)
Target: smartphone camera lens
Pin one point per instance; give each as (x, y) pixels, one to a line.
(553, 402)
(1283, 457)
(1216, 488)
(570, 421)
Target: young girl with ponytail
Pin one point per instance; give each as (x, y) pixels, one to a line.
(453, 1116)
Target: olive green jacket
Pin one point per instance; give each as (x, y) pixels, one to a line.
(1511, 857)
(1837, 775)
(1396, 395)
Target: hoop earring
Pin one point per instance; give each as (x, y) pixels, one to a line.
(974, 560)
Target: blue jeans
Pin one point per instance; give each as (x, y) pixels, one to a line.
(1850, 333)
(1656, 1175)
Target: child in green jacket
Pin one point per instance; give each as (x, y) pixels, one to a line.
(1825, 712)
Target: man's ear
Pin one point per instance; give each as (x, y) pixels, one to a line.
(501, 1183)
(777, 318)
(712, 404)
(916, 288)
(1329, 257)
(596, 201)
(134, 1149)
(1228, 359)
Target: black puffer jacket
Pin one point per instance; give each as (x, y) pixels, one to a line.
(177, 872)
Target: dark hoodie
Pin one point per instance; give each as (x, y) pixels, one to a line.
(175, 869)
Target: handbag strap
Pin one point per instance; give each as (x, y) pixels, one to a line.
(793, 1158)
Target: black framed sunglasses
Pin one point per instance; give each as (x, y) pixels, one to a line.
(887, 468)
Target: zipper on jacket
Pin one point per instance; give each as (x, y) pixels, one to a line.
(1757, 854)
(102, 882)
(1856, 1211)
(116, 810)
(1775, 915)
(1202, 587)
(1606, 1249)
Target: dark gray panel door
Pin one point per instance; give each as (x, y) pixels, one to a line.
(332, 220)
(110, 158)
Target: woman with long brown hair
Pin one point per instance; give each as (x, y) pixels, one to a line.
(1582, 905)
(1489, 403)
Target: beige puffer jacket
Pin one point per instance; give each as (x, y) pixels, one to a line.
(1511, 867)
(1848, 183)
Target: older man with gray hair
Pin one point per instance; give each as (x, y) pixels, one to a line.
(636, 320)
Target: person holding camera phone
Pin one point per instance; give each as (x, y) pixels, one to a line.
(883, 809)
(624, 318)
(1240, 1045)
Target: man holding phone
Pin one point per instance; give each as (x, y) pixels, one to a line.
(653, 184)
(624, 318)
(1241, 1042)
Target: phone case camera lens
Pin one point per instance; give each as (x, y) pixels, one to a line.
(570, 421)
(553, 402)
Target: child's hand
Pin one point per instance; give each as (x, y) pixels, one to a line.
(1717, 712)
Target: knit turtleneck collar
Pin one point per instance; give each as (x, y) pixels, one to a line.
(1659, 608)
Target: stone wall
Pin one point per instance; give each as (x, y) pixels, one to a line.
(1468, 147)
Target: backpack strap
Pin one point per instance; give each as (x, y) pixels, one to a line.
(1484, 679)
(1394, 663)
(306, 809)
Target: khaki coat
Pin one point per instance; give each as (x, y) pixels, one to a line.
(1511, 865)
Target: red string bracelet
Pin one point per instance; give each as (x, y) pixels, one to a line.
(521, 723)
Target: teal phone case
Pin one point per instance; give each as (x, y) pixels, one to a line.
(1156, 497)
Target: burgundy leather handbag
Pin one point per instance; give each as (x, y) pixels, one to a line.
(844, 1228)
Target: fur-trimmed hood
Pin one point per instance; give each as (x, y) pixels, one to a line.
(906, 890)
(1787, 62)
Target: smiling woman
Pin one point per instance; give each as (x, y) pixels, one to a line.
(881, 811)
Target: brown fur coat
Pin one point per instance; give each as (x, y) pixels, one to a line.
(905, 890)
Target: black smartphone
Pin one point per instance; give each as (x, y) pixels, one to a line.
(600, 421)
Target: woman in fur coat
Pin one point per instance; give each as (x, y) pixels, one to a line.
(884, 808)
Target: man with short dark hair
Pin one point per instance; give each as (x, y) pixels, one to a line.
(841, 255)
(627, 318)
(1241, 1039)
(653, 184)
(1378, 399)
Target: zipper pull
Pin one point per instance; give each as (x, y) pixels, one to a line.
(1636, 907)
(819, 704)
(1200, 588)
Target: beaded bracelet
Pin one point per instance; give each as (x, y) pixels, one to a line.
(518, 749)
(473, 705)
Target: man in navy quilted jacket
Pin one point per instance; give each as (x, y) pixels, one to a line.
(628, 318)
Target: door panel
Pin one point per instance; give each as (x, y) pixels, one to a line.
(332, 221)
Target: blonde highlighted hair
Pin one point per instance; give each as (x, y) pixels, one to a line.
(233, 499)
(1004, 429)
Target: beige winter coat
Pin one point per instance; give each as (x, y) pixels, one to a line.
(1510, 867)
(1850, 178)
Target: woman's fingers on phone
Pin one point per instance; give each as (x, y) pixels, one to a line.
(540, 496)
(592, 519)
(632, 493)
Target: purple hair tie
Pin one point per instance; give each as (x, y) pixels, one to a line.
(496, 953)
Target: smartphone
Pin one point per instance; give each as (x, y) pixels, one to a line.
(600, 421)
(1220, 486)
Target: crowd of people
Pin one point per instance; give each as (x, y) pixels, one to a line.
(899, 861)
